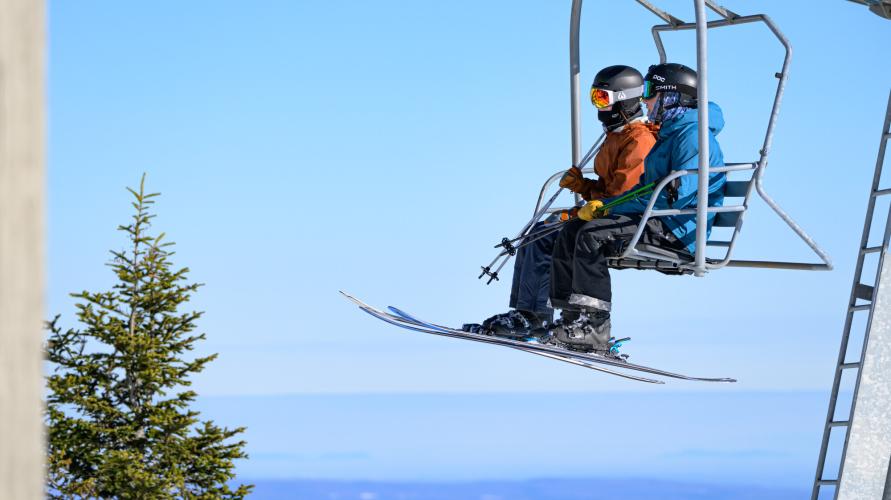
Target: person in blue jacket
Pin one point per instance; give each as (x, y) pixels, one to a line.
(580, 280)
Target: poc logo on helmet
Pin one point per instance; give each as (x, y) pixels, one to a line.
(660, 78)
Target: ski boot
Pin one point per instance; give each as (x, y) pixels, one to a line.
(584, 331)
(514, 324)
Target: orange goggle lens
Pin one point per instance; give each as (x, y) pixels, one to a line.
(601, 98)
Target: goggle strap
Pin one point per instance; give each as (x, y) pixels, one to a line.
(621, 95)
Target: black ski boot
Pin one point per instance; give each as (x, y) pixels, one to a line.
(514, 324)
(584, 330)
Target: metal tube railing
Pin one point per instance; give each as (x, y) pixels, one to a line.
(704, 136)
(574, 70)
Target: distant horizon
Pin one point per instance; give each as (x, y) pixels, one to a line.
(587, 488)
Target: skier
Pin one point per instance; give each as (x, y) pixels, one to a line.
(580, 281)
(616, 93)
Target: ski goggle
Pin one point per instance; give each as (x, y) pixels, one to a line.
(602, 98)
(649, 89)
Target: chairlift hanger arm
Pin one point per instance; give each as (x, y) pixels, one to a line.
(703, 136)
(661, 14)
(721, 10)
(674, 21)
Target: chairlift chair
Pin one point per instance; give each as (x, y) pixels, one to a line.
(641, 256)
(880, 8)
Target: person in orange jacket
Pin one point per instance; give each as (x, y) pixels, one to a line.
(619, 164)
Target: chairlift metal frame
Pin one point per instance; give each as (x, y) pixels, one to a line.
(642, 256)
(881, 8)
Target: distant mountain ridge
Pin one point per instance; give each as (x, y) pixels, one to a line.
(715, 438)
(536, 489)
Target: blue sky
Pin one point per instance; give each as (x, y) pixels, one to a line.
(383, 148)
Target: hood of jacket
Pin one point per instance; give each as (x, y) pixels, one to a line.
(691, 117)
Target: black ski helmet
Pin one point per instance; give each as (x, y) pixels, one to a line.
(672, 77)
(619, 78)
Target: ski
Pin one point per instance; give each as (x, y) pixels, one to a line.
(488, 339)
(566, 359)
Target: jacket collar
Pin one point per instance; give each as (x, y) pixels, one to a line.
(691, 117)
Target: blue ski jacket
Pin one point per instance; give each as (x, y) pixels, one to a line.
(677, 148)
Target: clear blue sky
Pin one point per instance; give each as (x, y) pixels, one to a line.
(384, 147)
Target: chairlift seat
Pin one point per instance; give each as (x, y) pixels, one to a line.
(671, 264)
(676, 261)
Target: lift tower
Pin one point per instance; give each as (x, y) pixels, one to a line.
(864, 457)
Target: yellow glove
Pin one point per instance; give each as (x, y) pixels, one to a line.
(592, 209)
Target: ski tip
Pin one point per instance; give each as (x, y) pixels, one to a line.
(400, 312)
(352, 299)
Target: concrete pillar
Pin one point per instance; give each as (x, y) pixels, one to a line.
(22, 51)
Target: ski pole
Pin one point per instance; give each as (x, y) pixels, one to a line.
(487, 270)
(533, 237)
(537, 213)
(510, 248)
(547, 228)
(631, 195)
(508, 252)
(508, 244)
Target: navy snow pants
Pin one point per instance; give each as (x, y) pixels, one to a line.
(532, 276)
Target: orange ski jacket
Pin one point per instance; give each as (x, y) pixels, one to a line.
(620, 162)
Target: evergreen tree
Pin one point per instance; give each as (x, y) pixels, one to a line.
(118, 411)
